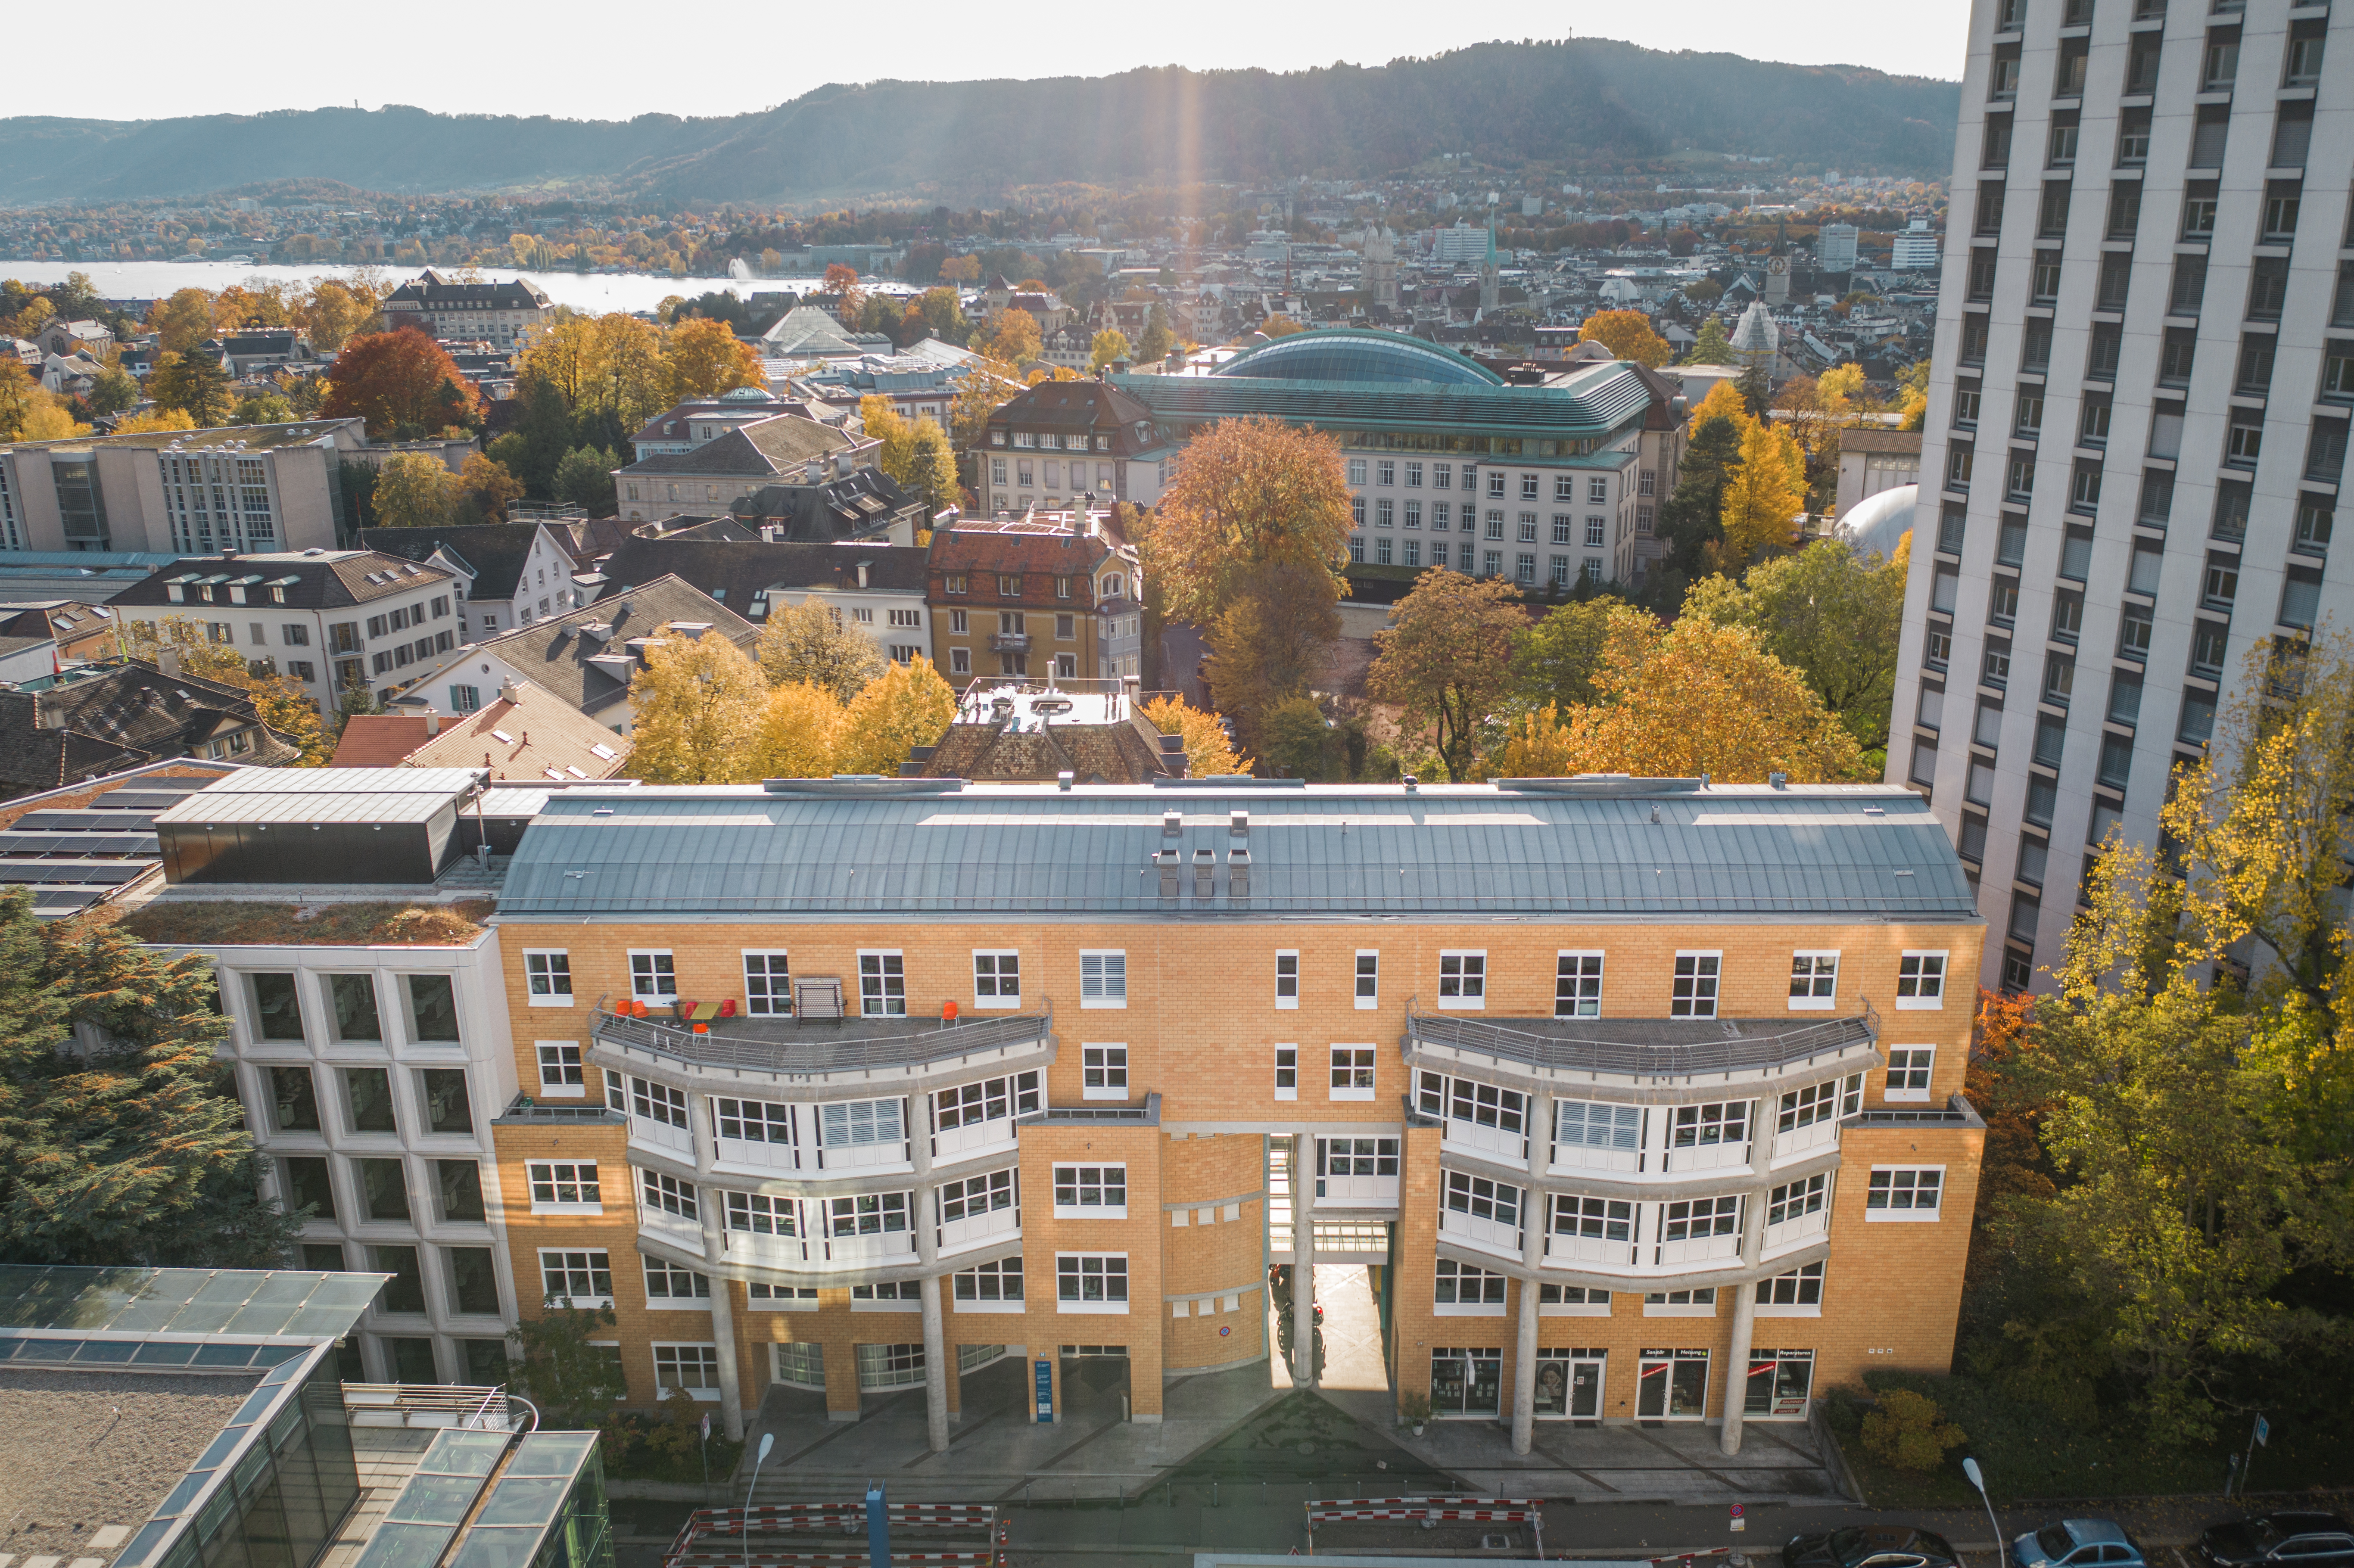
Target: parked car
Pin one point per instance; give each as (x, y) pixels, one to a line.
(2291, 1537)
(1882, 1546)
(2078, 1543)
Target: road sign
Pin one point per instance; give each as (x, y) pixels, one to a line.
(1045, 1390)
(707, 1426)
(1739, 1523)
(2264, 1431)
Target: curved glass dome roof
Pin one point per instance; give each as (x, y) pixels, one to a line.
(1355, 355)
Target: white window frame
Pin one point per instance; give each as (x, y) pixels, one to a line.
(553, 967)
(1368, 977)
(533, 1182)
(1107, 987)
(654, 973)
(551, 1054)
(1920, 1061)
(1481, 1278)
(894, 1302)
(1919, 958)
(1909, 1215)
(1001, 1302)
(1684, 1308)
(1586, 1305)
(1470, 981)
(565, 1268)
(1767, 1287)
(879, 1005)
(1361, 1063)
(1813, 979)
(1106, 1306)
(1287, 1064)
(1084, 1179)
(775, 964)
(702, 1364)
(1287, 1002)
(1708, 967)
(1579, 978)
(997, 961)
(693, 1301)
(1112, 1063)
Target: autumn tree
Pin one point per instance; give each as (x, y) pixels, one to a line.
(1691, 523)
(122, 1137)
(1270, 641)
(261, 408)
(931, 466)
(113, 390)
(1208, 753)
(1831, 615)
(1554, 660)
(414, 491)
(1280, 325)
(1252, 493)
(798, 730)
(1682, 701)
(403, 384)
(155, 418)
(27, 411)
(885, 423)
(486, 488)
(1627, 335)
(181, 320)
(983, 387)
(192, 383)
(1014, 337)
(943, 312)
(284, 707)
(707, 359)
(1764, 497)
(1447, 659)
(905, 706)
(698, 707)
(810, 642)
(1106, 346)
(1158, 338)
(336, 309)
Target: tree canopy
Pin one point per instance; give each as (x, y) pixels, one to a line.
(1446, 660)
(1827, 613)
(1251, 493)
(403, 384)
(1627, 335)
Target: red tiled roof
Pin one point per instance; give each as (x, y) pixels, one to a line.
(380, 740)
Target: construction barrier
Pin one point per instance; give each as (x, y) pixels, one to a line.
(1428, 1511)
(725, 1537)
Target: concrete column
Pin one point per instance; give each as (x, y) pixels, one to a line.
(714, 1253)
(936, 1369)
(723, 1333)
(1532, 1223)
(1303, 1264)
(1744, 1301)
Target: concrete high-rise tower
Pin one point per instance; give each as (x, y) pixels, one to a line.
(2136, 426)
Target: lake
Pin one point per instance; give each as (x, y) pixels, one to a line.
(595, 292)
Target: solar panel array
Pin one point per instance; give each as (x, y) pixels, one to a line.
(70, 857)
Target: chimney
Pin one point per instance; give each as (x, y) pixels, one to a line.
(1172, 756)
(167, 660)
(814, 471)
(1120, 368)
(862, 574)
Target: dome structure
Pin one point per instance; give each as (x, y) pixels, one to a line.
(1875, 526)
(1351, 353)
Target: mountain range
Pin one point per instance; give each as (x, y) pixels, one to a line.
(1559, 103)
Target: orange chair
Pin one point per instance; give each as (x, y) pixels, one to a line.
(727, 1008)
(948, 1013)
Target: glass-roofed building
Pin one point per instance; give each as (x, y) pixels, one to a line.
(1539, 474)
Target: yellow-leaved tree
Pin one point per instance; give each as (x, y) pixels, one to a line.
(281, 703)
(907, 705)
(1015, 337)
(707, 359)
(1207, 752)
(797, 732)
(810, 642)
(1106, 346)
(1683, 701)
(699, 706)
(1764, 496)
(1627, 335)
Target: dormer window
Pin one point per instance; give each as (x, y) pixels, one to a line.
(1024, 438)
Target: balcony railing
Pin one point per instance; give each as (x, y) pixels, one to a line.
(1647, 1048)
(822, 1048)
(474, 1409)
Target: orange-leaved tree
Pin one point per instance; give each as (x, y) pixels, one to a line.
(1447, 659)
(403, 384)
(1627, 335)
(1249, 495)
(707, 359)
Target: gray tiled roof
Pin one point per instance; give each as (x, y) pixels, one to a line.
(553, 654)
(770, 447)
(1848, 851)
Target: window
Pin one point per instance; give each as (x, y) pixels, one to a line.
(881, 985)
(368, 1093)
(1904, 1192)
(1369, 974)
(560, 1074)
(1796, 1199)
(1693, 994)
(1594, 1218)
(1462, 979)
(1103, 978)
(668, 1194)
(653, 976)
(1801, 1288)
(307, 1186)
(1713, 1125)
(1578, 985)
(560, 1187)
(1353, 1073)
(549, 977)
(433, 1010)
(1287, 979)
(1103, 1072)
(754, 1121)
(1921, 980)
(576, 1279)
(1000, 1281)
(657, 1103)
(1091, 1282)
(996, 978)
(1287, 1072)
(1090, 1191)
(755, 1213)
(1696, 1219)
(894, 1292)
(1908, 1071)
(1827, 1101)
(1482, 1199)
(1814, 980)
(867, 1214)
(1461, 1284)
(1357, 470)
(861, 1124)
(1699, 1303)
(277, 1015)
(768, 985)
(354, 1001)
(695, 1368)
(1467, 1100)
(992, 1099)
(989, 1193)
(1598, 1124)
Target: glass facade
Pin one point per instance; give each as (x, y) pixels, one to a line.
(282, 1498)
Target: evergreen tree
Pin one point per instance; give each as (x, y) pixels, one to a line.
(1691, 518)
(1713, 347)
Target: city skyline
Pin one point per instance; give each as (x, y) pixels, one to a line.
(578, 75)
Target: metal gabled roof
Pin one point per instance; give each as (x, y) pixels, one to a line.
(1598, 404)
(1861, 851)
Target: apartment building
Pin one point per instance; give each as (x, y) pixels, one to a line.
(2137, 423)
(239, 487)
(834, 1086)
(1063, 441)
(783, 448)
(1054, 595)
(502, 314)
(1533, 476)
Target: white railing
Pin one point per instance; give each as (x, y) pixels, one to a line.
(1706, 1157)
(1356, 1191)
(1486, 1236)
(753, 1154)
(430, 1404)
(866, 1156)
(885, 1246)
(1700, 1249)
(974, 1137)
(975, 1229)
(1803, 1141)
(1510, 1147)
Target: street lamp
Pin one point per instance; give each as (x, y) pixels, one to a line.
(1978, 1479)
(767, 1441)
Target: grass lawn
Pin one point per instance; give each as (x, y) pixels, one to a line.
(2026, 1454)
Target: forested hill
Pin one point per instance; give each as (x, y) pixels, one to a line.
(967, 141)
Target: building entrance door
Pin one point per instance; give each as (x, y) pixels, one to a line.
(1672, 1385)
(1569, 1384)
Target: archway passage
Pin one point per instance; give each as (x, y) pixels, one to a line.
(1353, 1355)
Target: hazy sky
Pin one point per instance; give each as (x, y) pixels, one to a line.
(610, 61)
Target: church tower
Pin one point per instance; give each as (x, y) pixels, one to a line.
(1381, 269)
(1488, 283)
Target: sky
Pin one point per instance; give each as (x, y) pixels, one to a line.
(595, 59)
